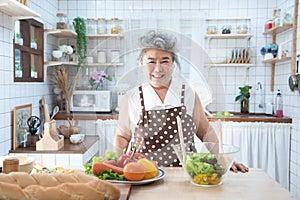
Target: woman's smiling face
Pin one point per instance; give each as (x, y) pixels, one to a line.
(157, 66)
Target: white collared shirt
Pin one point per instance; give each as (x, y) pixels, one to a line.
(152, 101)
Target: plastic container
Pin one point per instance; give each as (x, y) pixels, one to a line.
(278, 104)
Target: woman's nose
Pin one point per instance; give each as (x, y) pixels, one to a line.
(158, 67)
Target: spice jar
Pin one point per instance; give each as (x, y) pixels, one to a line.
(101, 26)
(269, 24)
(114, 29)
(212, 30)
(226, 29)
(242, 29)
(62, 21)
(10, 165)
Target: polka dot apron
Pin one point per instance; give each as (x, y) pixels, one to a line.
(157, 131)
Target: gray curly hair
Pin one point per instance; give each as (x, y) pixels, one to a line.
(158, 40)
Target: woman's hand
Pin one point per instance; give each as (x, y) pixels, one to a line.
(239, 167)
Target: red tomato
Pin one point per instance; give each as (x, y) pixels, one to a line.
(134, 171)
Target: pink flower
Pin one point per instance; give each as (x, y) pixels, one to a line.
(99, 77)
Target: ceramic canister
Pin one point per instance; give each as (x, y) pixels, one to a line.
(115, 56)
(101, 57)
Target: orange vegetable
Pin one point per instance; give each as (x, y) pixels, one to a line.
(134, 171)
(100, 167)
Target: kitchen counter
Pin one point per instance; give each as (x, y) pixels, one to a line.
(255, 184)
(68, 147)
(236, 117)
(252, 117)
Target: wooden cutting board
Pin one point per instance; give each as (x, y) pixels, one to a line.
(125, 190)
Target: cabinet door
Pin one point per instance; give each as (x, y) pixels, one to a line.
(29, 56)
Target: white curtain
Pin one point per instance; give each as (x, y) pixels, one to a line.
(106, 130)
(262, 145)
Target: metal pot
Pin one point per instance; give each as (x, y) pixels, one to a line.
(295, 79)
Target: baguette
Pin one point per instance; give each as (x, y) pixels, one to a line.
(57, 186)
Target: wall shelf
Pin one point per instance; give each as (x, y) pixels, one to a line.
(278, 29)
(228, 36)
(276, 60)
(104, 64)
(17, 10)
(229, 65)
(104, 35)
(62, 33)
(57, 63)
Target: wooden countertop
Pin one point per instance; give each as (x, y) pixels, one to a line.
(68, 148)
(236, 117)
(255, 184)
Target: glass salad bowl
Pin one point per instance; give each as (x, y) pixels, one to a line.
(208, 166)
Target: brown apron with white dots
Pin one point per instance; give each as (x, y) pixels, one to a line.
(158, 128)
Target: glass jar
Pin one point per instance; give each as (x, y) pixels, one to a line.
(226, 29)
(62, 21)
(114, 28)
(101, 25)
(242, 29)
(88, 24)
(269, 24)
(101, 57)
(212, 30)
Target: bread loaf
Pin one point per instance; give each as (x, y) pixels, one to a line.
(23, 186)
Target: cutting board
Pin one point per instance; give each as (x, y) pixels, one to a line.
(125, 190)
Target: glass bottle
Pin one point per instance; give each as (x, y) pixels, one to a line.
(278, 104)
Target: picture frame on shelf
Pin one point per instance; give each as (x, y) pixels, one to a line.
(20, 127)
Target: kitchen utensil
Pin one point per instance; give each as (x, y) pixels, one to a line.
(54, 112)
(294, 79)
(179, 125)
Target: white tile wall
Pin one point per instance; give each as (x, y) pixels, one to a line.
(258, 11)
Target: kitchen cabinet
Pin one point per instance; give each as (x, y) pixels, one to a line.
(17, 10)
(29, 56)
(238, 57)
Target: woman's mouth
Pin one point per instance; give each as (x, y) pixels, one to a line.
(157, 76)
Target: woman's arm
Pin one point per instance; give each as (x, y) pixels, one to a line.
(123, 133)
(204, 130)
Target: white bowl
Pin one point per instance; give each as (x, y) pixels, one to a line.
(77, 138)
(57, 54)
(26, 163)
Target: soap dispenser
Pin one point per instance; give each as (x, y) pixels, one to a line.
(278, 104)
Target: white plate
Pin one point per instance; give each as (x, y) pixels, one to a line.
(161, 174)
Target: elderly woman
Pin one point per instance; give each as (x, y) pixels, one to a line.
(148, 114)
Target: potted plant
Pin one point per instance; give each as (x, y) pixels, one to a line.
(244, 97)
(80, 29)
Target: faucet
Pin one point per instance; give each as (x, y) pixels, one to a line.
(259, 87)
